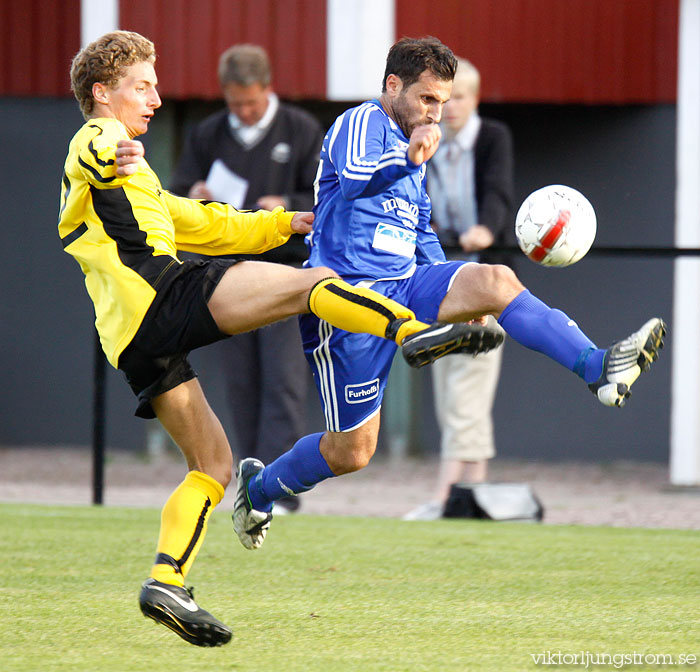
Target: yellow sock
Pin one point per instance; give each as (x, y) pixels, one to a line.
(183, 524)
(359, 310)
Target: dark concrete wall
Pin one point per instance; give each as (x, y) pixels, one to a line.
(621, 157)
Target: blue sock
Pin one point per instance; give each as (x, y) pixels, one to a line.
(535, 325)
(298, 470)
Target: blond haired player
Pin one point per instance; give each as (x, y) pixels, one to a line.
(151, 309)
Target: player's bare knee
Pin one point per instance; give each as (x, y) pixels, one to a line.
(503, 285)
(218, 465)
(224, 474)
(506, 278)
(224, 458)
(313, 277)
(344, 459)
(321, 273)
(361, 458)
(351, 461)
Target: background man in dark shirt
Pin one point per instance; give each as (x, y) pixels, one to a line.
(274, 147)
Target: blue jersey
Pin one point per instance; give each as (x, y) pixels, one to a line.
(372, 210)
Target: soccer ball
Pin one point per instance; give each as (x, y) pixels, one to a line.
(555, 226)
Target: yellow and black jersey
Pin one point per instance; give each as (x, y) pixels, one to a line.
(125, 231)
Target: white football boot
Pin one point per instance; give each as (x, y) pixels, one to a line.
(250, 525)
(626, 360)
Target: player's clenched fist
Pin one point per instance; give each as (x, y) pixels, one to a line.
(302, 221)
(424, 142)
(129, 154)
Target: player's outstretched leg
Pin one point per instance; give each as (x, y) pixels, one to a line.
(250, 525)
(175, 608)
(608, 373)
(358, 309)
(626, 360)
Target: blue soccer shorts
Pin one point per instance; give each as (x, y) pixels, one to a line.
(351, 370)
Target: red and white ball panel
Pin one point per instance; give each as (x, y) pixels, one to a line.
(555, 225)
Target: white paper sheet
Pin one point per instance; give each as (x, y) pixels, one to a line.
(225, 185)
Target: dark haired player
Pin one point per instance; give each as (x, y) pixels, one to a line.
(373, 226)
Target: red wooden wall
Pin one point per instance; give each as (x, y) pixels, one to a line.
(589, 51)
(581, 51)
(38, 39)
(189, 37)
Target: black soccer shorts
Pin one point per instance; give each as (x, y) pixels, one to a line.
(177, 322)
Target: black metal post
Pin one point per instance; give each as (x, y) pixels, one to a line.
(98, 422)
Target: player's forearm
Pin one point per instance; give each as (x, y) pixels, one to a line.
(382, 178)
(217, 228)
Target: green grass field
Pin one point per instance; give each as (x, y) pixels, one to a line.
(336, 594)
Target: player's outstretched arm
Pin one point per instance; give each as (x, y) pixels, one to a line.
(214, 228)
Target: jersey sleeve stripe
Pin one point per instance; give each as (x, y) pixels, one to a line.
(95, 173)
(389, 158)
(98, 160)
(74, 235)
(355, 149)
(356, 167)
(361, 178)
(363, 132)
(365, 173)
(334, 134)
(392, 162)
(351, 130)
(358, 146)
(64, 196)
(93, 151)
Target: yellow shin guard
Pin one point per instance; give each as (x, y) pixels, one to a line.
(183, 526)
(359, 310)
